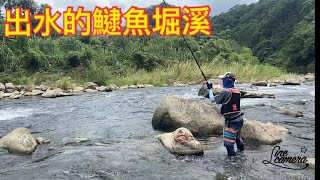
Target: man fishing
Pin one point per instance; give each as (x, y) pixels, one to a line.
(229, 98)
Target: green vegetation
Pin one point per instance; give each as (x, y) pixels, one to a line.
(281, 33)
(68, 61)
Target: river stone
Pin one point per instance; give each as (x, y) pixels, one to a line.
(272, 84)
(203, 91)
(289, 112)
(104, 89)
(55, 93)
(174, 112)
(148, 85)
(124, 87)
(9, 86)
(291, 82)
(5, 95)
(78, 89)
(90, 90)
(310, 77)
(276, 81)
(36, 93)
(133, 87)
(260, 83)
(2, 87)
(77, 140)
(181, 142)
(43, 87)
(299, 102)
(19, 141)
(14, 96)
(140, 86)
(90, 85)
(256, 132)
(113, 86)
(19, 88)
(255, 94)
(41, 140)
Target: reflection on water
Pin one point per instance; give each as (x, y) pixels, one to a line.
(122, 141)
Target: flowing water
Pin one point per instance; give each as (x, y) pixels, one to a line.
(122, 141)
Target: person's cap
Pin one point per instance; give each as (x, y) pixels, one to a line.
(228, 75)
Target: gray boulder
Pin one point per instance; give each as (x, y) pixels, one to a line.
(174, 112)
(19, 141)
(9, 87)
(90, 85)
(181, 142)
(2, 87)
(256, 132)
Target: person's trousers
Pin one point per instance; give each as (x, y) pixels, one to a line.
(232, 135)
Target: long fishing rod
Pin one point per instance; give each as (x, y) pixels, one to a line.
(191, 51)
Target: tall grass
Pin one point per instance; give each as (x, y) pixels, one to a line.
(188, 72)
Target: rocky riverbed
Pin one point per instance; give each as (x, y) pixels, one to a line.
(109, 135)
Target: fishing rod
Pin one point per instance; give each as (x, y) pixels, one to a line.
(191, 51)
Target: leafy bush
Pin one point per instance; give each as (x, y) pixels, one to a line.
(97, 73)
(9, 62)
(35, 60)
(146, 61)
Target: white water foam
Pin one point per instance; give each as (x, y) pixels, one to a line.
(11, 113)
(312, 93)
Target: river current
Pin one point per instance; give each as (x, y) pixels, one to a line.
(123, 144)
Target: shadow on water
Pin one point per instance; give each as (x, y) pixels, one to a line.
(122, 145)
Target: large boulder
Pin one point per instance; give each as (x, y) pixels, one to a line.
(174, 112)
(9, 87)
(181, 142)
(256, 132)
(255, 94)
(19, 141)
(90, 85)
(2, 87)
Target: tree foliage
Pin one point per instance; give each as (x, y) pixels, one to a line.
(278, 32)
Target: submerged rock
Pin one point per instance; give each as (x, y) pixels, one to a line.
(41, 140)
(255, 94)
(175, 112)
(181, 142)
(19, 141)
(299, 102)
(77, 140)
(256, 132)
(260, 83)
(289, 112)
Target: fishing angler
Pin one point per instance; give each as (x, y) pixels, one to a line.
(229, 98)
